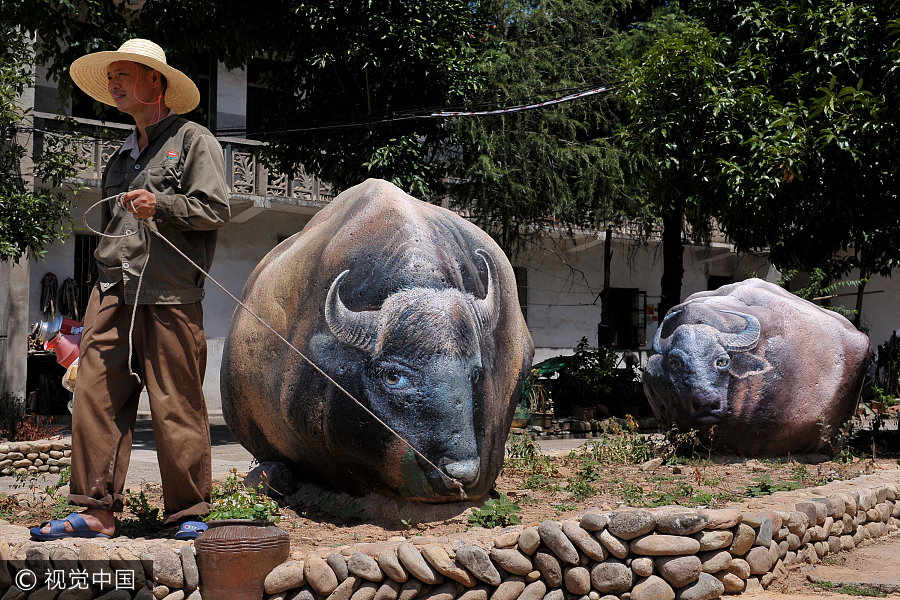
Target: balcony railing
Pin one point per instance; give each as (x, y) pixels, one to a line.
(253, 186)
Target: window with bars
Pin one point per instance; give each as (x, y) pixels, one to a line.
(628, 317)
(85, 268)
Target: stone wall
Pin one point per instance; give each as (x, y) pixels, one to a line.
(41, 456)
(666, 553)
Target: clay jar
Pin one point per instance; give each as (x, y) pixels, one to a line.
(234, 557)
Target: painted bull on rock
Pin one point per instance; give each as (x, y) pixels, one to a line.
(410, 308)
(773, 372)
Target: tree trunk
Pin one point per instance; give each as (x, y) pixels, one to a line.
(673, 259)
(607, 262)
(860, 294)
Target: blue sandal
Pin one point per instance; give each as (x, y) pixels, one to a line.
(189, 530)
(58, 530)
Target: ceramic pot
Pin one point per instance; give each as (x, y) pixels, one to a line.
(234, 556)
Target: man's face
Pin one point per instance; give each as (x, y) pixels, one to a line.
(132, 87)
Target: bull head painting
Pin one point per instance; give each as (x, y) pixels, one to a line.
(762, 365)
(414, 312)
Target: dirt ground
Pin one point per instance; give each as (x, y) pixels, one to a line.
(541, 486)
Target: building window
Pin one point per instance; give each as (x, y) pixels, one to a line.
(521, 274)
(628, 317)
(85, 269)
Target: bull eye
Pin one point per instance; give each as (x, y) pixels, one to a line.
(723, 362)
(393, 378)
(675, 361)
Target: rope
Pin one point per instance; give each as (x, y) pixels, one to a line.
(453, 482)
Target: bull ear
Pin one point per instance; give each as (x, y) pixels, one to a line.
(744, 364)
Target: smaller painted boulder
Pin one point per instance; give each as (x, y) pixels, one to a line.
(772, 372)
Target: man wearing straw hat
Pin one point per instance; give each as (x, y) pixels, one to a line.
(144, 321)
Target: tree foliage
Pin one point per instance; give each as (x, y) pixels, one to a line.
(31, 218)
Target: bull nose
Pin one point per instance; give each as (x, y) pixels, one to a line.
(466, 471)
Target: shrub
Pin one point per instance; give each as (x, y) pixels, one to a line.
(497, 512)
(234, 500)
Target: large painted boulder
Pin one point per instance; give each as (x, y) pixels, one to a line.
(410, 308)
(773, 372)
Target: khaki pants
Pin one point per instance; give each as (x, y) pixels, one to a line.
(170, 356)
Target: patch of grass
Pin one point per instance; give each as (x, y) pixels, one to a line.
(632, 494)
(537, 481)
(496, 512)
(562, 507)
(580, 489)
(702, 498)
(764, 485)
(661, 499)
(851, 589)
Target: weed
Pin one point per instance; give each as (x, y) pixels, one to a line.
(632, 494)
(496, 512)
(8, 506)
(562, 507)
(763, 486)
(522, 446)
(661, 499)
(146, 519)
(234, 500)
(851, 589)
(702, 499)
(580, 489)
(536, 481)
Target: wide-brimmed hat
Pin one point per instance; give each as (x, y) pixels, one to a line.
(89, 74)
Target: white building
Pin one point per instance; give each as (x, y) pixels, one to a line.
(560, 281)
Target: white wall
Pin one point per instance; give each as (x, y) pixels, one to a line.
(881, 307)
(231, 100)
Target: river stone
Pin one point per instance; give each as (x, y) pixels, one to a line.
(390, 565)
(720, 518)
(549, 567)
(642, 567)
(594, 522)
(553, 537)
(665, 545)
(733, 584)
(440, 560)
(506, 539)
(764, 534)
(560, 595)
(760, 560)
(365, 567)
(630, 524)
(680, 523)
(616, 547)
(611, 577)
(577, 581)
(344, 590)
(532, 577)
(797, 522)
(319, 575)
(338, 564)
(476, 593)
(512, 561)
(160, 591)
(188, 566)
(534, 591)
(510, 589)
(479, 564)
(529, 540)
(166, 567)
(368, 589)
(410, 589)
(389, 590)
(678, 570)
(739, 567)
(715, 561)
(743, 540)
(714, 540)
(652, 588)
(286, 576)
(584, 541)
(707, 587)
(418, 567)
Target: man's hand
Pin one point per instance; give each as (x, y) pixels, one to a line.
(140, 203)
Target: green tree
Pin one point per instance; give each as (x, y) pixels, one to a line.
(324, 63)
(31, 217)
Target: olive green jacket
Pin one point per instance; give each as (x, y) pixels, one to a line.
(183, 165)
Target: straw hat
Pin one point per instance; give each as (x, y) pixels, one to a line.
(89, 74)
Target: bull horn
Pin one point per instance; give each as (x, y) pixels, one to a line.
(357, 329)
(487, 308)
(742, 340)
(658, 339)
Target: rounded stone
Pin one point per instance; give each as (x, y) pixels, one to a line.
(446, 591)
(594, 522)
(611, 577)
(743, 540)
(760, 560)
(653, 588)
(390, 565)
(529, 540)
(707, 587)
(389, 590)
(680, 523)
(721, 518)
(512, 561)
(679, 570)
(665, 545)
(549, 568)
(584, 541)
(739, 567)
(732, 583)
(559, 595)
(715, 561)
(630, 524)
(510, 589)
(715, 539)
(412, 560)
(410, 589)
(577, 581)
(553, 537)
(616, 547)
(365, 567)
(478, 563)
(534, 591)
(441, 561)
(477, 593)
(345, 589)
(319, 575)
(166, 568)
(642, 567)
(338, 564)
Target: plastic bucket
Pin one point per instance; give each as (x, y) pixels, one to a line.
(66, 348)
